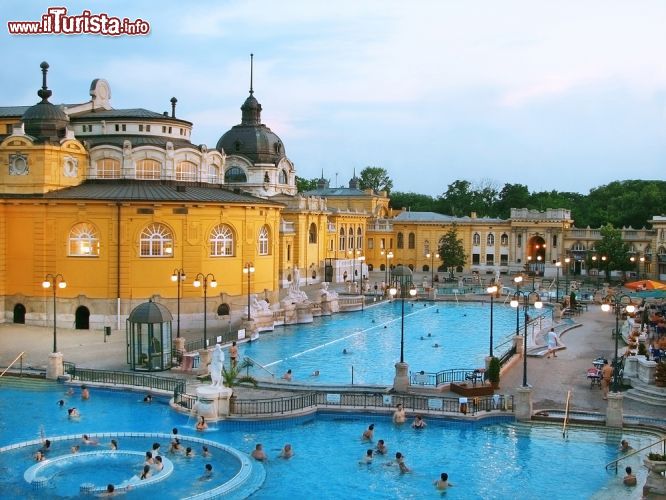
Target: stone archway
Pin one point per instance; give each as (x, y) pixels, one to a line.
(223, 310)
(19, 314)
(536, 255)
(82, 318)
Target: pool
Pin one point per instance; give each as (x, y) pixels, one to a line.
(493, 458)
(437, 337)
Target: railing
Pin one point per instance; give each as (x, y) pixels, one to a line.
(314, 400)
(174, 385)
(256, 363)
(661, 442)
(20, 356)
(185, 400)
(566, 415)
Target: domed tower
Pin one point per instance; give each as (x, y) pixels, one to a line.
(45, 121)
(255, 156)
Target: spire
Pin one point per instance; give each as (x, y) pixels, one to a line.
(251, 108)
(44, 92)
(251, 72)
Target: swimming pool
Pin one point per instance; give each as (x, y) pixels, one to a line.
(437, 337)
(488, 459)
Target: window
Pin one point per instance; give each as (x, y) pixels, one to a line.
(140, 128)
(382, 243)
(519, 240)
(504, 240)
(263, 241)
(490, 259)
(221, 241)
(476, 259)
(156, 241)
(490, 240)
(213, 174)
(578, 247)
(124, 127)
(504, 260)
(283, 177)
(351, 238)
(412, 241)
(164, 129)
(235, 174)
(288, 253)
(476, 239)
(426, 247)
(108, 168)
(359, 238)
(169, 129)
(83, 241)
(117, 128)
(330, 244)
(266, 178)
(401, 240)
(371, 243)
(147, 128)
(342, 240)
(554, 241)
(186, 171)
(312, 234)
(148, 169)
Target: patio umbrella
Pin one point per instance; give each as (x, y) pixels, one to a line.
(646, 285)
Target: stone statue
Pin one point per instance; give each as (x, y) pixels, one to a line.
(216, 365)
(258, 306)
(295, 294)
(325, 292)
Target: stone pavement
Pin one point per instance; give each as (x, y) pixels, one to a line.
(550, 378)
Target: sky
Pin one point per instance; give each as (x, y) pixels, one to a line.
(564, 95)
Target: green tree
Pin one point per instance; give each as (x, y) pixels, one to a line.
(511, 196)
(614, 249)
(451, 250)
(413, 201)
(376, 178)
(305, 184)
(457, 200)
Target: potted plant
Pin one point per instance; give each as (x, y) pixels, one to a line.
(493, 373)
(655, 462)
(660, 374)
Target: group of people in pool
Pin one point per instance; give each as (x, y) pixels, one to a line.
(260, 455)
(399, 418)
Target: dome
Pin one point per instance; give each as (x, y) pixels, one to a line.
(257, 143)
(150, 312)
(45, 120)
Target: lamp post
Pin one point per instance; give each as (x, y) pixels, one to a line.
(492, 290)
(515, 302)
(178, 277)
(616, 302)
(558, 264)
(432, 257)
(403, 276)
(567, 261)
(642, 259)
(632, 259)
(389, 256)
(517, 280)
(594, 262)
(196, 284)
(54, 281)
(604, 259)
(249, 269)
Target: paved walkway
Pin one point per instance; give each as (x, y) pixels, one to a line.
(550, 378)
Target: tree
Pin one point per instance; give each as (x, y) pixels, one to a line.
(512, 196)
(451, 250)
(413, 201)
(614, 249)
(376, 178)
(305, 184)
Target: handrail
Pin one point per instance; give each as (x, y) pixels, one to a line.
(627, 455)
(12, 363)
(566, 415)
(255, 362)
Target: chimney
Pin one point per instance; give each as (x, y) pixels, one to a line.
(173, 107)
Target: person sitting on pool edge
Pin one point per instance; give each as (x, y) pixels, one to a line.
(146, 472)
(258, 453)
(158, 465)
(630, 478)
(201, 424)
(443, 482)
(287, 376)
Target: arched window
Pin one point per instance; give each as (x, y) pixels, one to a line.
(412, 241)
(476, 239)
(83, 241)
(350, 232)
(342, 239)
(578, 247)
(221, 241)
(312, 234)
(156, 241)
(283, 177)
(108, 168)
(401, 240)
(148, 170)
(213, 174)
(235, 174)
(263, 241)
(490, 240)
(359, 238)
(186, 171)
(504, 240)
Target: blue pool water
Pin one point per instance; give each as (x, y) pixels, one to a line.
(491, 459)
(372, 338)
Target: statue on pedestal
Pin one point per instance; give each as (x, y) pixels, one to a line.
(216, 365)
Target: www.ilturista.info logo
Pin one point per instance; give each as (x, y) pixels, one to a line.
(57, 22)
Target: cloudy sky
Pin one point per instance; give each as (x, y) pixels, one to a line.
(565, 95)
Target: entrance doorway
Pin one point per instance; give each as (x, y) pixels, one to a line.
(82, 318)
(19, 314)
